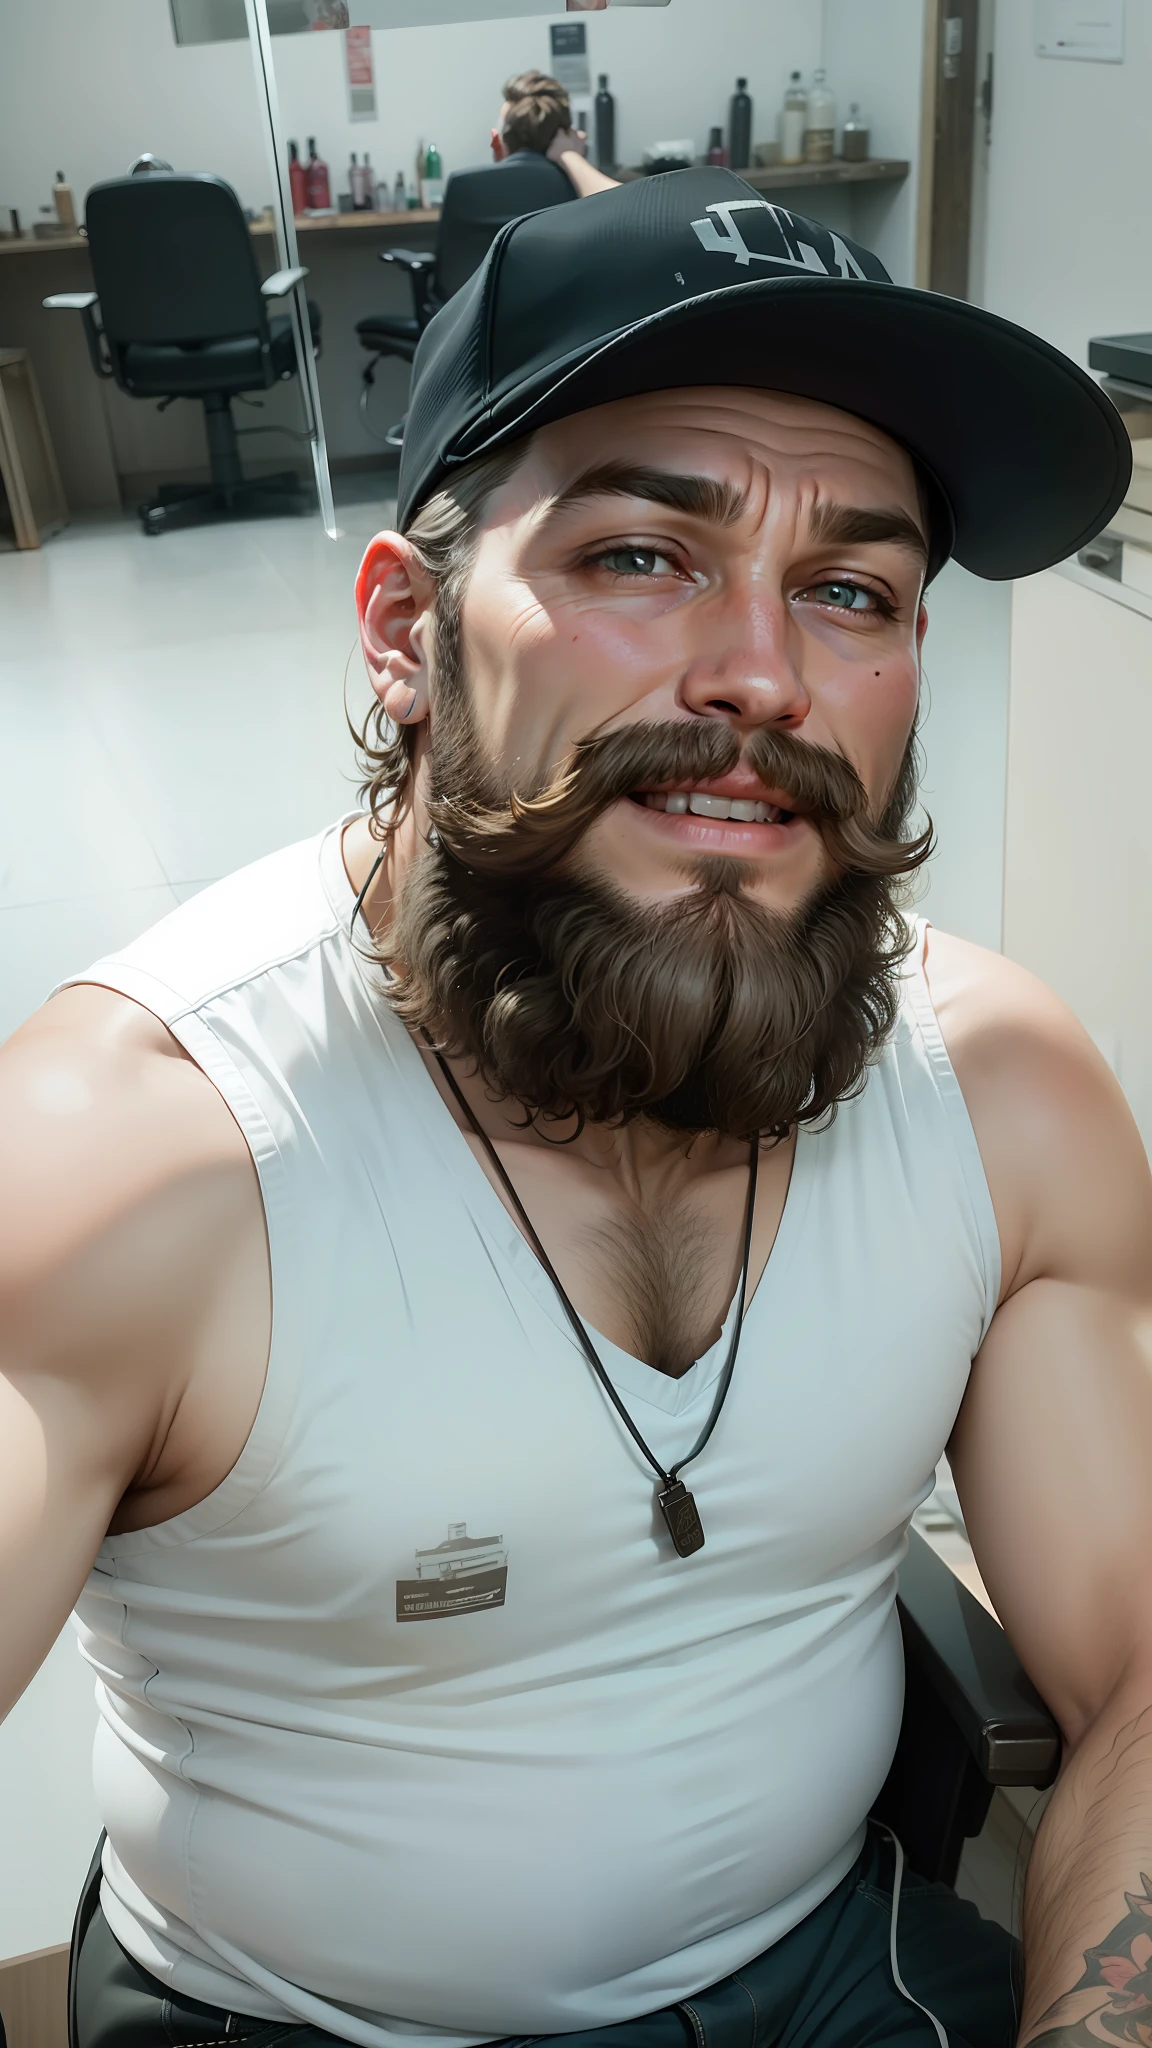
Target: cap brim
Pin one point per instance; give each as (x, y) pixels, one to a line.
(1030, 455)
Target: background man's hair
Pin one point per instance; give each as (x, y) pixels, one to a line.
(538, 109)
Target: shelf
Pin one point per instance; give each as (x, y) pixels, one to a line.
(876, 170)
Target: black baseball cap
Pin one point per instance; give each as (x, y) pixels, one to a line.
(691, 277)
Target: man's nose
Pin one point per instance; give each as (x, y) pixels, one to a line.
(746, 666)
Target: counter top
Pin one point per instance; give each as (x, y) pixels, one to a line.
(326, 224)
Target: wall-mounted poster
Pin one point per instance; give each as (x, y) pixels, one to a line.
(1089, 34)
(361, 76)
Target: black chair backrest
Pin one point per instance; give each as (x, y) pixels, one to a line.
(477, 204)
(172, 260)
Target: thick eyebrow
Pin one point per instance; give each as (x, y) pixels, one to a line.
(856, 525)
(722, 504)
(702, 497)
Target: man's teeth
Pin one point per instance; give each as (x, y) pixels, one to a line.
(740, 809)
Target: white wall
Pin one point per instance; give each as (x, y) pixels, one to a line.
(964, 737)
(1068, 244)
(1076, 902)
(873, 51)
(87, 87)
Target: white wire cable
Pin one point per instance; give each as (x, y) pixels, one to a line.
(897, 1979)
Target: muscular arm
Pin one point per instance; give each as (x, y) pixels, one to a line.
(124, 1192)
(1053, 1461)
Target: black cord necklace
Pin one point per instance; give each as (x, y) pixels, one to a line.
(676, 1503)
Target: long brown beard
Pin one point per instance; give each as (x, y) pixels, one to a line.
(709, 1013)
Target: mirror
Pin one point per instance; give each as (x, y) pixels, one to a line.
(220, 21)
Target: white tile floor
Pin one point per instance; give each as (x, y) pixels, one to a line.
(170, 708)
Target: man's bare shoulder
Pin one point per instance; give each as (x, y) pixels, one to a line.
(122, 1165)
(1065, 1164)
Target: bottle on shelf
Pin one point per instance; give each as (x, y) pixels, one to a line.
(605, 122)
(854, 147)
(740, 127)
(716, 154)
(62, 197)
(432, 178)
(820, 123)
(792, 117)
(399, 195)
(297, 179)
(355, 184)
(371, 203)
(319, 192)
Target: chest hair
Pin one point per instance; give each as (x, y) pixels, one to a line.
(661, 1270)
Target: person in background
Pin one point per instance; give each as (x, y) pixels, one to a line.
(535, 119)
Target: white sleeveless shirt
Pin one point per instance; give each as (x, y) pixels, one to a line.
(416, 1724)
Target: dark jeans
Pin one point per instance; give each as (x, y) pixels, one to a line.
(828, 1984)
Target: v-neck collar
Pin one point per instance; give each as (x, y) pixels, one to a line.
(628, 1373)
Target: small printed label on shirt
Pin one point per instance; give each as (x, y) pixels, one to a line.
(461, 1575)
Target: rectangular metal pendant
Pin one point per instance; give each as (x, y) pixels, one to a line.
(682, 1516)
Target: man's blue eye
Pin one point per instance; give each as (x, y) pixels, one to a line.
(631, 561)
(851, 597)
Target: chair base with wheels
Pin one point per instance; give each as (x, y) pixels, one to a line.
(229, 494)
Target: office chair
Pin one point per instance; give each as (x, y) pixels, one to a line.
(179, 312)
(477, 204)
(972, 1721)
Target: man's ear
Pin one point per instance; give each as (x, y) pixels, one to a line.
(394, 598)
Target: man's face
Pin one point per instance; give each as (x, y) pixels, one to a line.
(780, 591)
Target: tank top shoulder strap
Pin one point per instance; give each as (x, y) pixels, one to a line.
(921, 1016)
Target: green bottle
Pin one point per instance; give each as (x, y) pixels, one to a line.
(432, 177)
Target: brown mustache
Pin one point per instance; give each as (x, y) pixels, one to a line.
(532, 835)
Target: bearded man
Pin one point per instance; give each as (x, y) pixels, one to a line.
(485, 1291)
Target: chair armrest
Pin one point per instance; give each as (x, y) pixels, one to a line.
(282, 282)
(84, 303)
(419, 264)
(971, 1666)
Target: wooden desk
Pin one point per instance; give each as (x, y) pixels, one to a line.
(334, 227)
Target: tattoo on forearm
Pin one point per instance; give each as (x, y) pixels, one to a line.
(1112, 2001)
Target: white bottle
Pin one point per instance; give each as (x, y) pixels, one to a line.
(820, 123)
(792, 116)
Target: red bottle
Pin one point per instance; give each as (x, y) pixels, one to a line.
(298, 179)
(318, 192)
